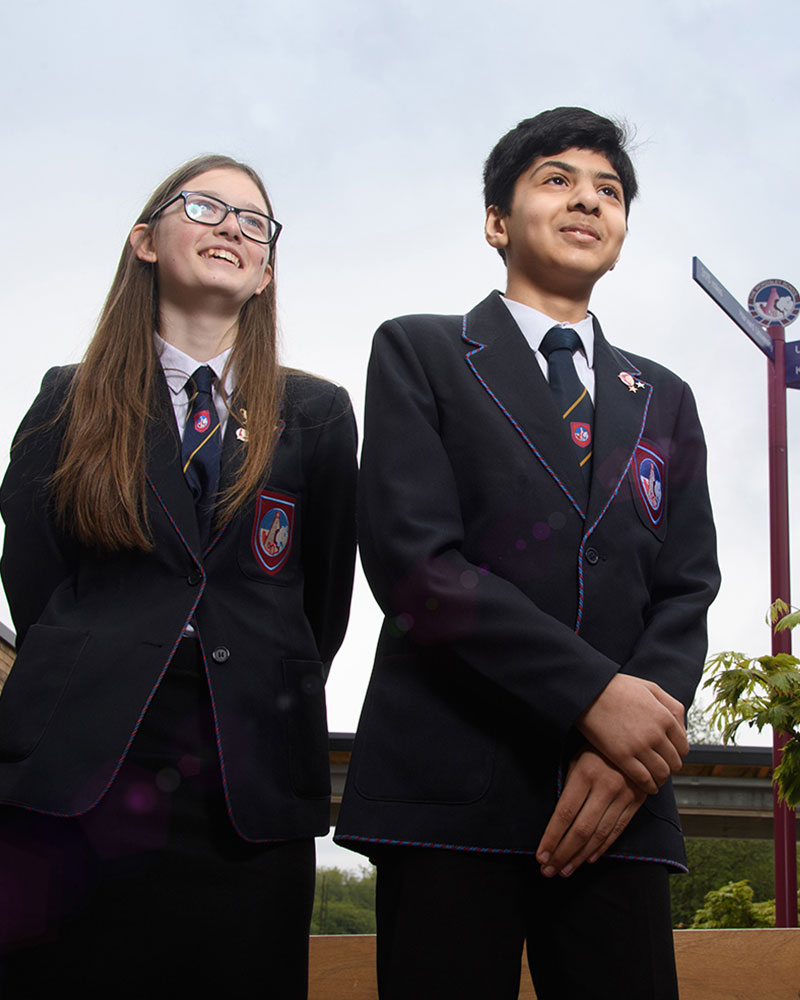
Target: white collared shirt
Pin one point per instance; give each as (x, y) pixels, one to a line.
(534, 325)
(179, 367)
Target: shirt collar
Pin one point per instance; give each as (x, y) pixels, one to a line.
(179, 367)
(535, 324)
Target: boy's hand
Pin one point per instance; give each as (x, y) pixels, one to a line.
(639, 728)
(596, 805)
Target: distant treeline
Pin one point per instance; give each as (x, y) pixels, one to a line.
(344, 901)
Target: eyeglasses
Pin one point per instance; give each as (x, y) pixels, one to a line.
(210, 211)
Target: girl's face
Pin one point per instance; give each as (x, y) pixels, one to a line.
(199, 264)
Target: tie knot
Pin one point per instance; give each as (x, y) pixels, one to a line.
(560, 338)
(200, 381)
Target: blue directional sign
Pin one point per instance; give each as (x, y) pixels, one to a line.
(737, 312)
(793, 364)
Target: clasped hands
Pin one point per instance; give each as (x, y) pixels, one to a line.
(636, 739)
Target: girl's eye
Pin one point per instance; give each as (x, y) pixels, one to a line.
(199, 209)
(254, 224)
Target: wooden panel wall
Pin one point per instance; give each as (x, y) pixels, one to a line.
(712, 965)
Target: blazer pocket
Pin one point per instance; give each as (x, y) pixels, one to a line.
(307, 728)
(662, 805)
(423, 734)
(34, 688)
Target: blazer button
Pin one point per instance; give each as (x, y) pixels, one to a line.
(194, 578)
(220, 654)
(592, 557)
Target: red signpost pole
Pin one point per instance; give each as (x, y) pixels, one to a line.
(768, 301)
(785, 826)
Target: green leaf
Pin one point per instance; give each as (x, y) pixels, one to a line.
(789, 621)
(787, 774)
(777, 610)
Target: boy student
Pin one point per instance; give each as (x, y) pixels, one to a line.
(535, 524)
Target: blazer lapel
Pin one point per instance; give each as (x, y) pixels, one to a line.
(506, 367)
(619, 418)
(233, 452)
(164, 471)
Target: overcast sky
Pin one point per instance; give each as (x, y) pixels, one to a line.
(370, 124)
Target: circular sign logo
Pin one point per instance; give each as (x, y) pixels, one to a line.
(774, 302)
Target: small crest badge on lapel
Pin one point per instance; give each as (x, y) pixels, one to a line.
(273, 529)
(202, 421)
(581, 433)
(241, 432)
(649, 472)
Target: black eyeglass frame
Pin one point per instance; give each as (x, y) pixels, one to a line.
(228, 209)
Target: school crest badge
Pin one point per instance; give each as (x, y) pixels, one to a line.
(649, 473)
(581, 433)
(273, 528)
(202, 421)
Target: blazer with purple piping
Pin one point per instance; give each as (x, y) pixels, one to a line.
(511, 597)
(95, 634)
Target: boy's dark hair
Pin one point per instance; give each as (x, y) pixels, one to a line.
(549, 133)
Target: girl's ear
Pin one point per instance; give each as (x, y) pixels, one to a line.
(265, 280)
(141, 239)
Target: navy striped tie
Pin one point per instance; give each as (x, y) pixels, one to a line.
(200, 450)
(571, 395)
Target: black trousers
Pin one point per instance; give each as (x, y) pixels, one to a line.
(152, 893)
(451, 926)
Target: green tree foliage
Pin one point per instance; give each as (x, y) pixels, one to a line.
(762, 691)
(713, 862)
(732, 906)
(344, 902)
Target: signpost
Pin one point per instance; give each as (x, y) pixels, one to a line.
(773, 304)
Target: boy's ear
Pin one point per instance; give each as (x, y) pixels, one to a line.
(141, 239)
(495, 228)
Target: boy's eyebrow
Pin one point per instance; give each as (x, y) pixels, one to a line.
(568, 168)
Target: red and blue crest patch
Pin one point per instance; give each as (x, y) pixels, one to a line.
(581, 433)
(273, 529)
(649, 473)
(202, 421)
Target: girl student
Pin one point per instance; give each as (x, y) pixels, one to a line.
(178, 561)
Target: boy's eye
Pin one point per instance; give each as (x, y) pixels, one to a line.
(557, 179)
(611, 191)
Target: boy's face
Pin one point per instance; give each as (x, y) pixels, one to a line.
(566, 226)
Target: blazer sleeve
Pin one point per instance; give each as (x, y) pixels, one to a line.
(673, 645)
(329, 536)
(37, 554)
(411, 535)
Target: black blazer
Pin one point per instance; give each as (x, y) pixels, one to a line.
(95, 633)
(511, 597)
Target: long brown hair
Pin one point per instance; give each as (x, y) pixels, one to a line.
(100, 487)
